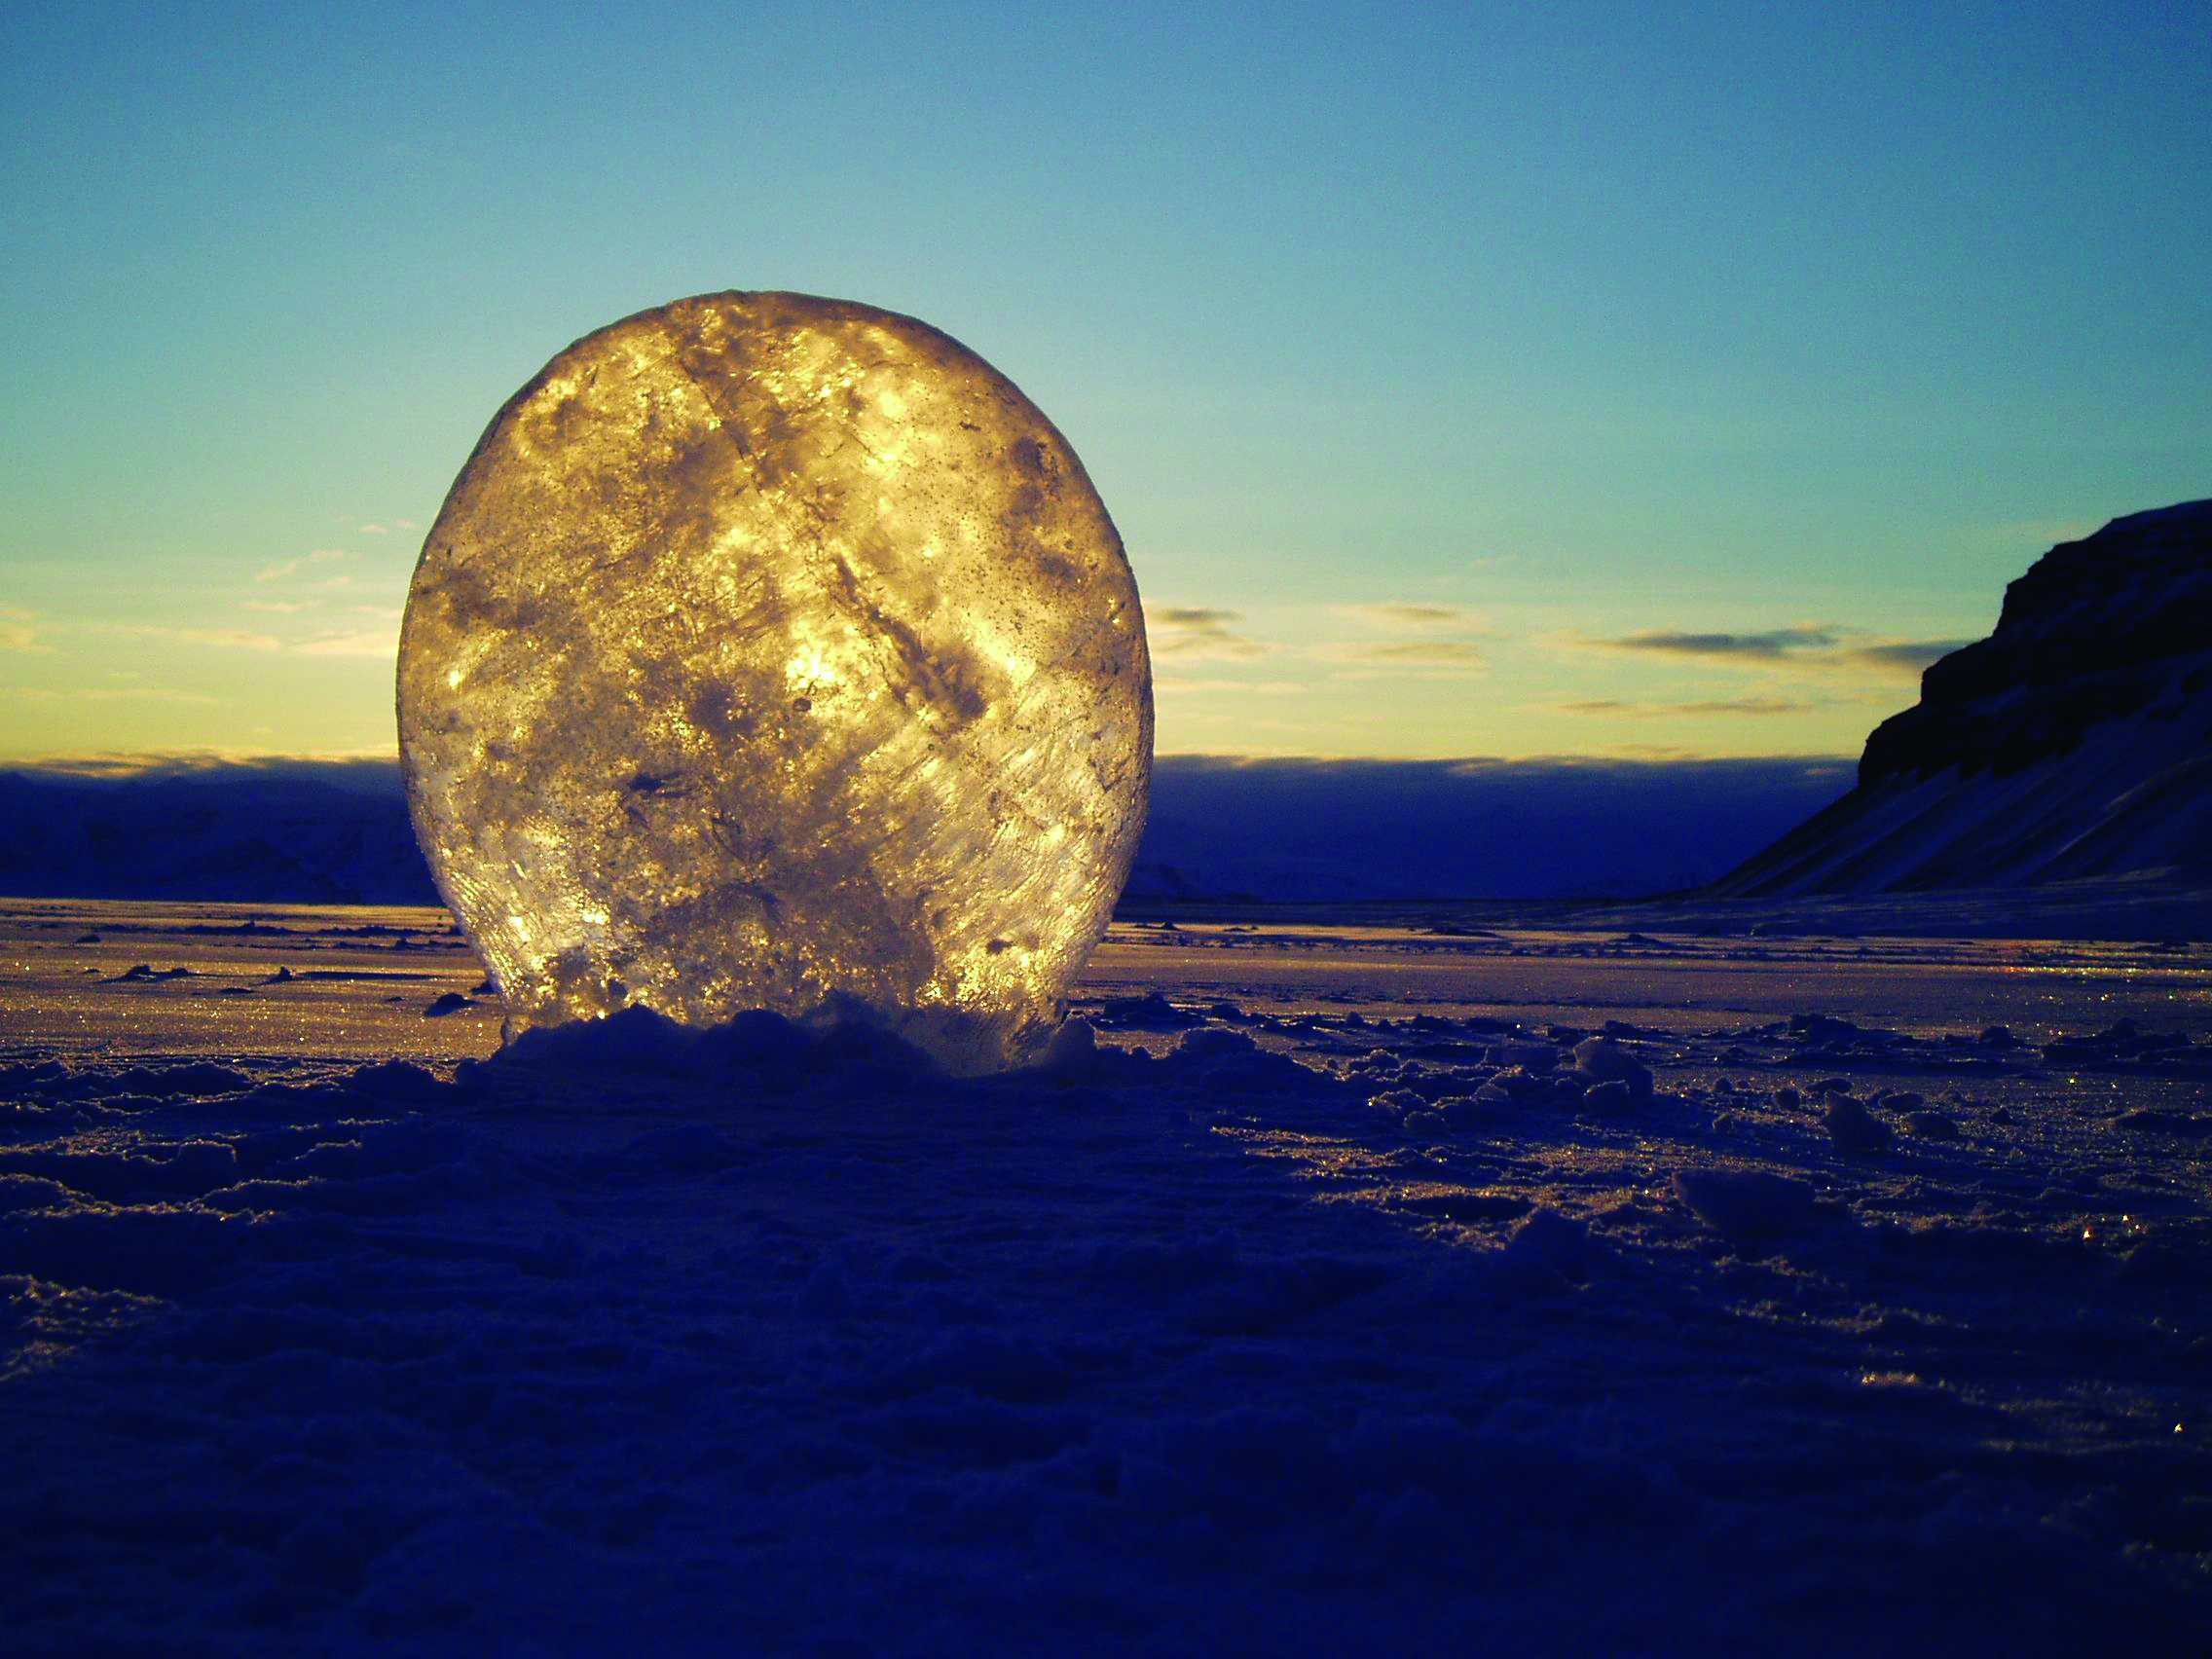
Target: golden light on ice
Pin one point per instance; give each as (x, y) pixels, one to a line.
(772, 651)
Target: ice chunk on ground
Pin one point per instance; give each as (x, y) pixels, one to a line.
(1746, 1203)
(771, 649)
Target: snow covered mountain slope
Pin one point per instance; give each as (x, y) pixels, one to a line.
(2074, 744)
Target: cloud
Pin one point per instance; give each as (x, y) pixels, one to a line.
(293, 567)
(229, 638)
(1430, 658)
(1755, 706)
(372, 643)
(1404, 615)
(371, 771)
(1820, 647)
(103, 694)
(1198, 633)
(1190, 616)
(364, 643)
(1657, 753)
(280, 607)
(1906, 656)
(19, 631)
(1752, 706)
(2039, 532)
(1424, 656)
(1256, 687)
(374, 530)
(1763, 648)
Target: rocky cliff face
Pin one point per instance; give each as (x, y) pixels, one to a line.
(2073, 744)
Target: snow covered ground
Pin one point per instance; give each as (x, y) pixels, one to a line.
(1536, 1289)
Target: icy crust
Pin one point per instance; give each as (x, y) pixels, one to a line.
(1220, 1332)
(773, 649)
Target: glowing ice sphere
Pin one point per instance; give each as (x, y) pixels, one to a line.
(774, 651)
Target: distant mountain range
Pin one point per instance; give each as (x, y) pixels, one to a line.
(308, 831)
(2073, 745)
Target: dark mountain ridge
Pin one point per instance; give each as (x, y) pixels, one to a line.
(2074, 744)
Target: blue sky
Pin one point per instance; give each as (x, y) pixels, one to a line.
(1620, 379)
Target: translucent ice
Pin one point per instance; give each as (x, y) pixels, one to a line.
(774, 651)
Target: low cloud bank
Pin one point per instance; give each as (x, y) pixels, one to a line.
(273, 831)
(1323, 829)
(335, 830)
(358, 774)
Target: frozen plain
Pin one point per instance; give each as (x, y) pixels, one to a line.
(1329, 1305)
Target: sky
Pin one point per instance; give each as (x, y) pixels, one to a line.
(1581, 379)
